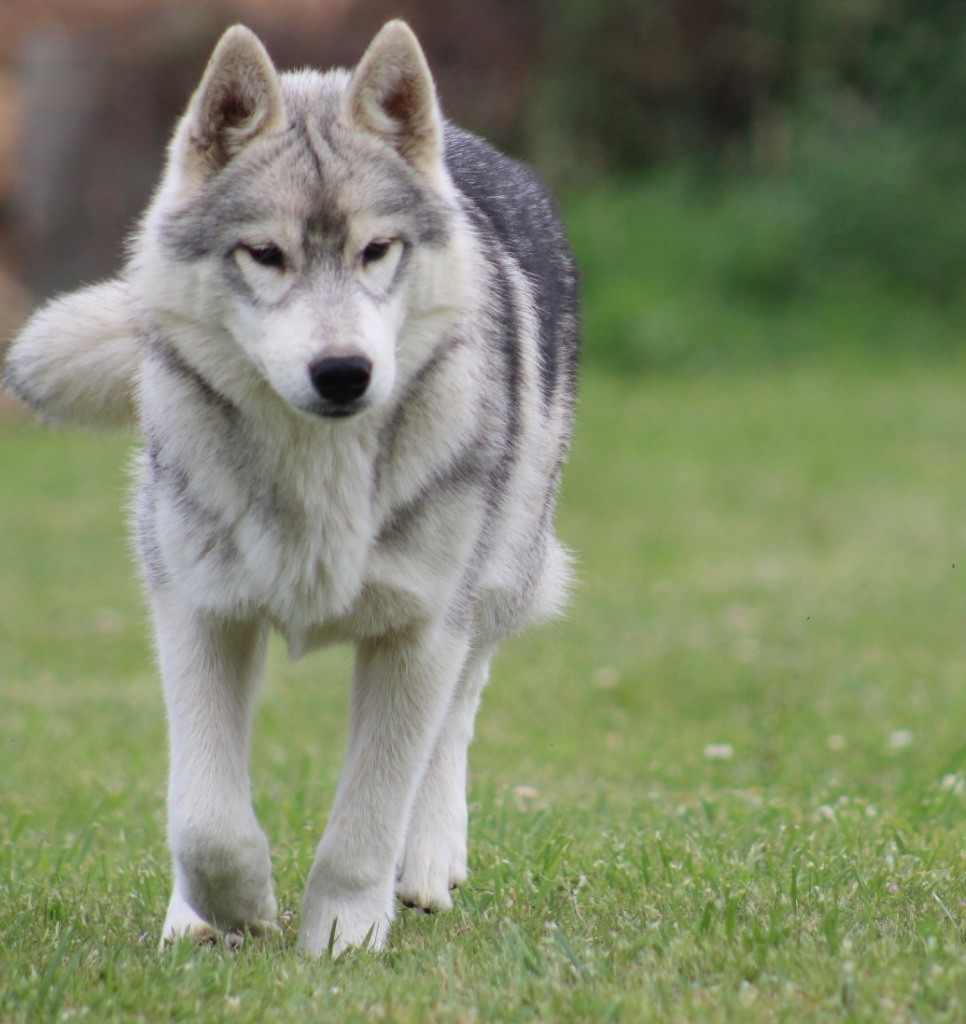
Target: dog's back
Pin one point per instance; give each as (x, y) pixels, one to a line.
(512, 208)
(534, 287)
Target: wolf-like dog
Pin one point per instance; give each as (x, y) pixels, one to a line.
(348, 331)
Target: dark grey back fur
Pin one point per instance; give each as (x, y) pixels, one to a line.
(509, 204)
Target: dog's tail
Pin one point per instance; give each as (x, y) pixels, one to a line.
(78, 357)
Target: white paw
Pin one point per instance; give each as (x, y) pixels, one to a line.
(334, 921)
(183, 923)
(224, 884)
(433, 865)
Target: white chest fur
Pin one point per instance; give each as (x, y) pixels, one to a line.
(270, 519)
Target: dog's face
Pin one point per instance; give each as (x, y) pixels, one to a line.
(303, 220)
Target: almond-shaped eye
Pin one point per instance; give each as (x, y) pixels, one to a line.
(266, 255)
(375, 250)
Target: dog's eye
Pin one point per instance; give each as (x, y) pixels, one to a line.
(266, 255)
(375, 251)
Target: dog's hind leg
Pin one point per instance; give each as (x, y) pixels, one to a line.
(222, 869)
(400, 695)
(434, 858)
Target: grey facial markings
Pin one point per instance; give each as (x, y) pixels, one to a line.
(316, 173)
(391, 287)
(395, 192)
(400, 271)
(368, 177)
(311, 147)
(239, 283)
(210, 221)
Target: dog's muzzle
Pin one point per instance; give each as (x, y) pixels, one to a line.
(340, 381)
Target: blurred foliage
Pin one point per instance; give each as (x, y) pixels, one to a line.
(844, 257)
(807, 185)
(630, 83)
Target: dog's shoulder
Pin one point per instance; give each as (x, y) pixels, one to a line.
(506, 198)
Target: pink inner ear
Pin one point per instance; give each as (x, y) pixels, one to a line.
(229, 109)
(402, 103)
(232, 109)
(235, 111)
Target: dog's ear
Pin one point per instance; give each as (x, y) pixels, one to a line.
(392, 95)
(239, 99)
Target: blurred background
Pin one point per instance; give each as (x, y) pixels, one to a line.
(744, 180)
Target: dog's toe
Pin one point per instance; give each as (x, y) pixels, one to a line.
(411, 905)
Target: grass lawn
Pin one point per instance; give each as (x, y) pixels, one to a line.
(731, 785)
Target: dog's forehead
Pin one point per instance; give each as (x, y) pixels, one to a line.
(322, 178)
(343, 172)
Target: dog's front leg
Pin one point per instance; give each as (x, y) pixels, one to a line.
(400, 694)
(222, 870)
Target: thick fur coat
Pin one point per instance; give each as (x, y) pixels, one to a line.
(348, 332)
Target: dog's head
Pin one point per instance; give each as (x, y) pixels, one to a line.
(304, 219)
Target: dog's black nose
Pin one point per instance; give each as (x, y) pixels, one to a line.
(341, 380)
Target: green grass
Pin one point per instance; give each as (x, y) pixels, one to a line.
(729, 786)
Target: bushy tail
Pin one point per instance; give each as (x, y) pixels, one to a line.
(78, 357)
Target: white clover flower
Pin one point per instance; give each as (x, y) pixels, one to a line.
(900, 739)
(719, 752)
(606, 678)
(526, 798)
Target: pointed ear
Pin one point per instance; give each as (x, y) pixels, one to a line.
(238, 100)
(392, 95)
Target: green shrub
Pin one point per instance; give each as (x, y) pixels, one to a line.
(852, 251)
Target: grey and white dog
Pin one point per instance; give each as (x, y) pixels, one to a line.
(348, 331)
